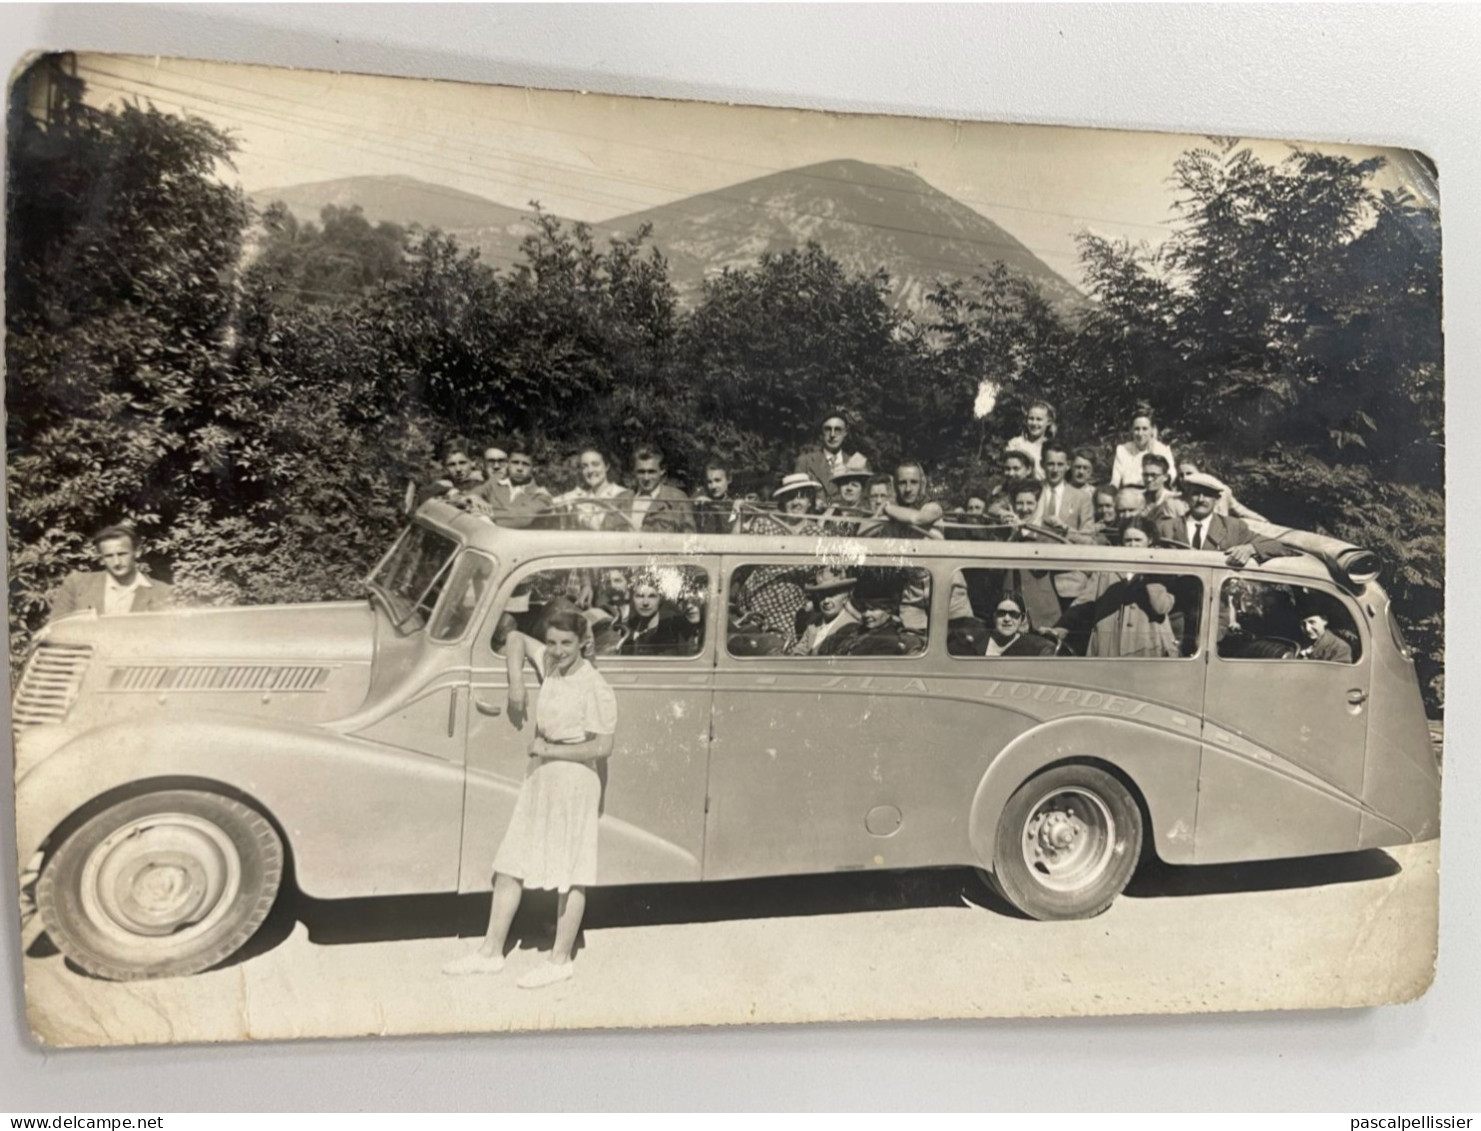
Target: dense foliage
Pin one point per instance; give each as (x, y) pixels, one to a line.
(255, 394)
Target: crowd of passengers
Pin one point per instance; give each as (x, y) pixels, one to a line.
(1047, 491)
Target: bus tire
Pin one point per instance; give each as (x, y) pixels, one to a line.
(1067, 843)
(160, 885)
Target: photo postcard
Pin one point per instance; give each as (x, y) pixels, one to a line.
(488, 559)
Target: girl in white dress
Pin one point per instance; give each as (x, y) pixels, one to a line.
(551, 842)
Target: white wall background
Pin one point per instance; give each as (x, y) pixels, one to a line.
(1391, 75)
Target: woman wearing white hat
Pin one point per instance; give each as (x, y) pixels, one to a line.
(774, 593)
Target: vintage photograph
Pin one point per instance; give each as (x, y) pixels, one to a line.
(491, 559)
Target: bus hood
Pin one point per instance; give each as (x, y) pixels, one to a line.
(343, 632)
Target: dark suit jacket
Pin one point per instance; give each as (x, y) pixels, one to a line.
(84, 590)
(1330, 647)
(670, 510)
(510, 509)
(715, 516)
(815, 463)
(670, 636)
(1223, 534)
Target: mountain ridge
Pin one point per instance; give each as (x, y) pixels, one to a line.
(866, 216)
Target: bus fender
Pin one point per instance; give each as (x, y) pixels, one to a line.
(360, 819)
(1161, 767)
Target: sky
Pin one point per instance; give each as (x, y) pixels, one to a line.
(595, 157)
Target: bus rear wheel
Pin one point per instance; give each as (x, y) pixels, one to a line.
(1067, 843)
(161, 885)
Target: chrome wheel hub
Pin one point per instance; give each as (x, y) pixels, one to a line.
(1069, 839)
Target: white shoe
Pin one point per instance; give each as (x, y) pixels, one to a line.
(547, 974)
(475, 963)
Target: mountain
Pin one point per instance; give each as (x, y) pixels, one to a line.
(398, 199)
(866, 216)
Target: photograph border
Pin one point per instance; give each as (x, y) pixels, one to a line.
(1403, 1031)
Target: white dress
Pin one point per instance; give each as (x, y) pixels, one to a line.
(551, 841)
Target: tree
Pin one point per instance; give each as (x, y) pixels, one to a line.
(342, 257)
(774, 348)
(120, 267)
(1290, 325)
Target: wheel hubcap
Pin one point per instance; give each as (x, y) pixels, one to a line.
(1069, 839)
(166, 874)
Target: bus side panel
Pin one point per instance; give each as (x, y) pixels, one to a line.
(868, 768)
(1161, 762)
(1256, 806)
(1401, 788)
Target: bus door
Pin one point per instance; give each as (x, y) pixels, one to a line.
(653, 623)
(1285, 722)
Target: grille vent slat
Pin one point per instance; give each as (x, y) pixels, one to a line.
(50, 684)
(210, 677)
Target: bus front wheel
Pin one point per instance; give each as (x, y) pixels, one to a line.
(161, 885)
(1067, 843)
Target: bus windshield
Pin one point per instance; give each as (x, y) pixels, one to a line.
(411, 576)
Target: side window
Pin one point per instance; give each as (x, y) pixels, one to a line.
(1093, 613)
(632, 611)
(1264, 620)
(808, 610)
(461, 594)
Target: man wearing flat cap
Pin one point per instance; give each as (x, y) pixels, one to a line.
(1202, 528)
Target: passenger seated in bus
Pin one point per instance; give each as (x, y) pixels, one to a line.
(714, 509)
(846, 508)
(655, 628)
(913, 514)
(797, 497)
(1122, 613)
(1008, 634)
(613, 592)
(1017, 468)
(767, 599)
(915, 600)
(1131, 504)
(1037, 586)
(1227, 504)
(959, 524)
(833, 611)
(880, 633)
(1102, 526)
(1321, 643)
(1159, 501)
(1204, 529)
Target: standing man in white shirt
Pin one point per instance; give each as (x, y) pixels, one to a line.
(119, 587)
(1065, 508)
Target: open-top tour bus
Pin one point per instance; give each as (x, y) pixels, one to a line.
(171, 766)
